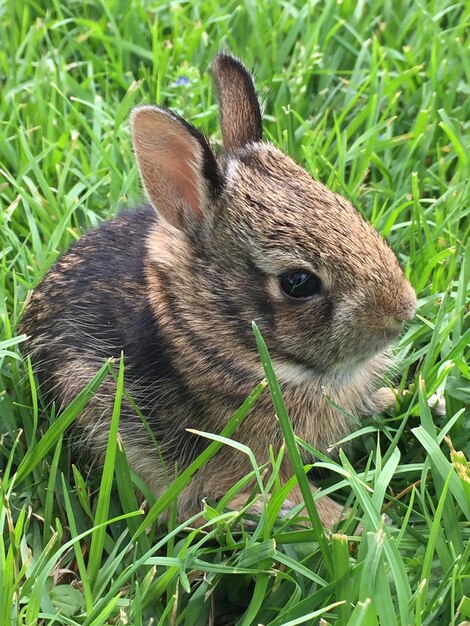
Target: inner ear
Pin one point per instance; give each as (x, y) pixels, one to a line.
(176, 164)
(240, 111)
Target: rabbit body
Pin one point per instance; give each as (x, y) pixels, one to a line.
(175, 285)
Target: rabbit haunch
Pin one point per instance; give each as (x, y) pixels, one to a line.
(176, 284)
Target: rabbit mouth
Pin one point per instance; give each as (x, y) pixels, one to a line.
(370, 346)
(341, 375)
(348, 356)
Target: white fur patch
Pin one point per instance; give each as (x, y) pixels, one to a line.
(297, 374)
(294, 373)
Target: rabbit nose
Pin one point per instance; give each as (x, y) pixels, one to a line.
(407, 310)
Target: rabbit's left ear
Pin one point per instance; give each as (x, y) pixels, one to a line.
(176, 164)
(240, 111)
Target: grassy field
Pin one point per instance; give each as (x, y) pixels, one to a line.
(373, 99)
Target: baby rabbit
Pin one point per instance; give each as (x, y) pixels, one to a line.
(175, 284)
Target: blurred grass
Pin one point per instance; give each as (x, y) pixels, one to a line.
(373, 98)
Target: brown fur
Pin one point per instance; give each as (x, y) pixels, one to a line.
(177, 292)
(240, 115)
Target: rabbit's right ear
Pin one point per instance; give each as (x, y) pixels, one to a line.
(176, 164)
(240, 112)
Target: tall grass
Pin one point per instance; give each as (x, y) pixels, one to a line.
(373, 98)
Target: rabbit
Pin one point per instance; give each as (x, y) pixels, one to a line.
(175, 285)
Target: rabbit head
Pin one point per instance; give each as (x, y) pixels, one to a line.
(251, 236)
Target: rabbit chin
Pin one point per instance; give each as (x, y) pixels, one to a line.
(345, 374)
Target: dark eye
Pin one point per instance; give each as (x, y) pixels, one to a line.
(300, 284)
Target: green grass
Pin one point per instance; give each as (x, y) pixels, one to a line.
(373, 98)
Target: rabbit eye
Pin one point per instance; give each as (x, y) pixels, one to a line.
(300, 284)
